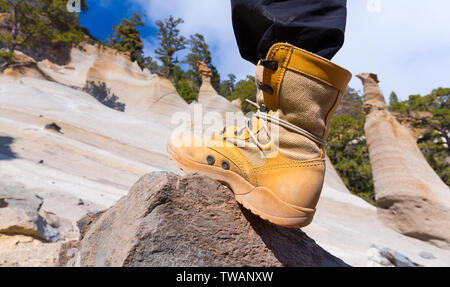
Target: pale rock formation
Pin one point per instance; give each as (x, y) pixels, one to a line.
(109, 73)
(98, 154)
(216, 110)
(237, 103)
(411, 198)
(208, 97)
(333, 179)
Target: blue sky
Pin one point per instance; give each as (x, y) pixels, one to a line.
(406, 42)
(103, 14)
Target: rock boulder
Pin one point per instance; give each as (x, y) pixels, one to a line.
(20, 215)
(170, 220)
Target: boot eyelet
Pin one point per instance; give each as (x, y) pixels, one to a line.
(223, 131)
(239, 133)
(225, 165)
(264, 109)
(265, 88)
(250, 124)
(210, 160)
(269, 64)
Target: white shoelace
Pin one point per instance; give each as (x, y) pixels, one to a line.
(277, 121)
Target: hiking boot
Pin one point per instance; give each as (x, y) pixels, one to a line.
(275, 164)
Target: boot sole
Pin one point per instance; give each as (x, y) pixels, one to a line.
(254, 199)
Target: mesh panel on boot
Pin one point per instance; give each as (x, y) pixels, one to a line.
(297, 147)
(306, 103)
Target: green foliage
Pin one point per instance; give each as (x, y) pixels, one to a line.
(128, 39)
(170, 42)
(245, 89)
(6, 57)
(227, 86)
(151, 65)
(351, 103)
(188, 82)
(435, 152)
(30, 23)
(431, 115)
(393, 98)
(186, 91)
(199, 51)
(347, 148)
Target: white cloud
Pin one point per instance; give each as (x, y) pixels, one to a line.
(407, 43)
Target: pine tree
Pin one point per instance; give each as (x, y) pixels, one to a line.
(227, 86)
(186, 91)
(29, 23)
(393, 98)
(245, 89)
(151, 65)
(170, 42)
(128, 39)
(393, 101)
(430, 114)
(199, 51)
(347, 147)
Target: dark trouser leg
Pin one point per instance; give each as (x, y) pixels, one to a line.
(317, 26)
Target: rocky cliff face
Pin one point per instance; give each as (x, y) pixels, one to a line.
(411, 198)
(208, 96)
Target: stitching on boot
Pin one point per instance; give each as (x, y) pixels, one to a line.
(288, 47)
(281, 166)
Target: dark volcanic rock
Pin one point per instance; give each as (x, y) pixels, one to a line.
(169, 220)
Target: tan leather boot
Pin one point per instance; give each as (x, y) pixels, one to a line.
(276, 164)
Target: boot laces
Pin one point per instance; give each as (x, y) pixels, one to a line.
(260, 110)
(265, 115)
(274, 119)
